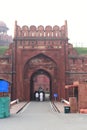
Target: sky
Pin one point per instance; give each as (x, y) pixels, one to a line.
(48, 12)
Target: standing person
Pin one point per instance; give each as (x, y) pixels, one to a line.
(41, 96)
(37, 96)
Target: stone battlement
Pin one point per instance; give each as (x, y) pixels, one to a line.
(41, 31)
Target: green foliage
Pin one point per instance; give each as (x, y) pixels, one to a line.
(3, 49)
(81, 50)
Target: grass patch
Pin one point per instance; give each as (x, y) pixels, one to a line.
(3, 49)
(81, 50)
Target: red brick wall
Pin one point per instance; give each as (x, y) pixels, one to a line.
(82, 96)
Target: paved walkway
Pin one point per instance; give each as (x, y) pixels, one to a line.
(40, 116)
(17, 107)
(60, 106)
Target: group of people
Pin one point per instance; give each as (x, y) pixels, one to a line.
(39, 95)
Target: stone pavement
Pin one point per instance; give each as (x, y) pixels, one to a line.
(60, 106)
(40, 116)
(17, 107)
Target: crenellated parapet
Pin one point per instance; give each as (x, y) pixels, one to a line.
(41, 31)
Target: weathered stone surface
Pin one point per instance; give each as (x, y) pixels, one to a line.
(42, 51)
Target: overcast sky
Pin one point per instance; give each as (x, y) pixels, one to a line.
(48, 12)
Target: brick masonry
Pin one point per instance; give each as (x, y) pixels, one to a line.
(43, 51)
(82, 102)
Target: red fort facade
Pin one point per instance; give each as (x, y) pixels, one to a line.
(43, 57)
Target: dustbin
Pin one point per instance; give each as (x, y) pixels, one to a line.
(66, 109)
(4, 107)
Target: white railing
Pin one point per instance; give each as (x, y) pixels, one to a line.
(65, 101)
(14, 102)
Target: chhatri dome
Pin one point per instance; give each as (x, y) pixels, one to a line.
(3, 27)
(5, 39)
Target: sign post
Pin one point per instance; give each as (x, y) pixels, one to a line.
(55, 96)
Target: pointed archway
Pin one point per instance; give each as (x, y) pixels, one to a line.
(40, 79)
(42, 66)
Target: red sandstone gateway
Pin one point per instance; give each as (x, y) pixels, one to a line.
(42, 58)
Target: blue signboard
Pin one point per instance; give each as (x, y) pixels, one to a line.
(4, 86)
(55, 95)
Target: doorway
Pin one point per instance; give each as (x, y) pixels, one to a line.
(41, 79)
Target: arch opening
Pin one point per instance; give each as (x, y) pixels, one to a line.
(39, 68)
(41, 79)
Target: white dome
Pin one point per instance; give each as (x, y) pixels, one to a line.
(2, 24)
